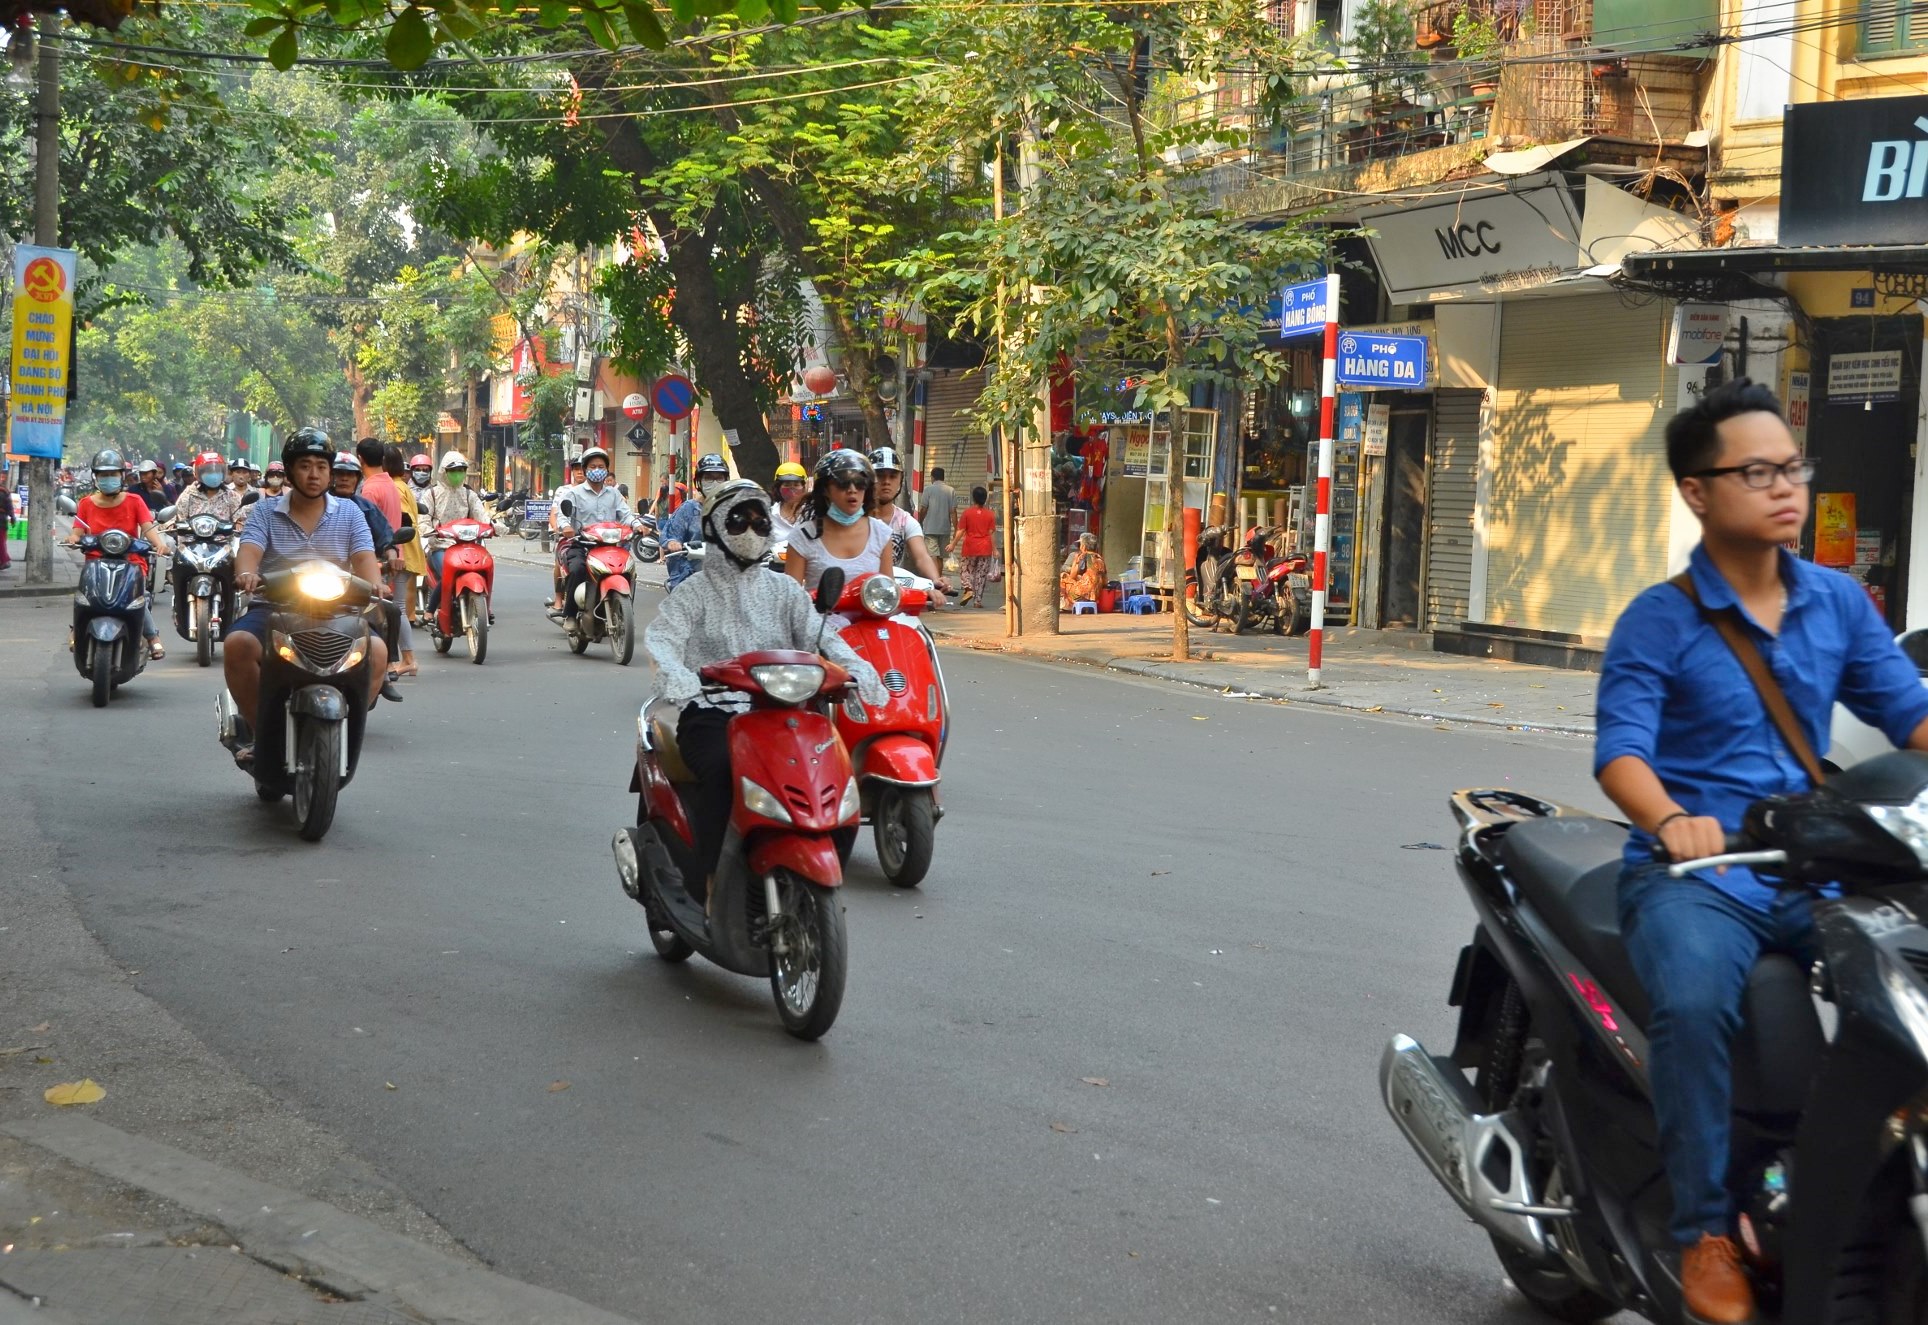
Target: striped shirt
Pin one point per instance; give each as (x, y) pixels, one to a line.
(341, 534)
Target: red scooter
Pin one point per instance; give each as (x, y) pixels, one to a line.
(468, 581)
(896, 747)
(606, 600)
(1272, 589)
(776, 911)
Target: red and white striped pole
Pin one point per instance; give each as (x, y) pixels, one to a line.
(1322, 520)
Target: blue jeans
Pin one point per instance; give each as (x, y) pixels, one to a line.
(435, 578)
(1693, 946)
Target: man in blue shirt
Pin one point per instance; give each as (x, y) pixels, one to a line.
(684, 528)
(1686, 744)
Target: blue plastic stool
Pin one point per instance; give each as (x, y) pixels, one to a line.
(1084, 607)
(1142, 604)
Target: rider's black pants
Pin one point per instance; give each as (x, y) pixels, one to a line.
(703, 736)
(575, 566)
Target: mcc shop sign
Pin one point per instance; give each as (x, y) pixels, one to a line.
(1855, 172)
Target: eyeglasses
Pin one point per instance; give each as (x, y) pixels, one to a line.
(1761, 474)
(747, 517)
(858, 483)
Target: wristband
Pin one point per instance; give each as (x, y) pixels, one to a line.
(1677, 814)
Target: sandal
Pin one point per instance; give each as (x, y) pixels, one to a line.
(244, 757)
(155, 651)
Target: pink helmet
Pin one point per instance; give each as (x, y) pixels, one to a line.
(419, 458)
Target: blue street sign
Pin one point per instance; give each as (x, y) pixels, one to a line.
(1302, 308)
(1366, 359)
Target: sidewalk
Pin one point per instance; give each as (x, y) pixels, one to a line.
(1367, 671)
(98, 1227)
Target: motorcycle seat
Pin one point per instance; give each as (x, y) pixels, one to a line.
(662, 735)
(1568, 869)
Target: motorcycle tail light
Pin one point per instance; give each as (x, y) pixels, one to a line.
(930, 706)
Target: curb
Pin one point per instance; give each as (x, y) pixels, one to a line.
(1302, 695)
(350, 1256)
(36, 591)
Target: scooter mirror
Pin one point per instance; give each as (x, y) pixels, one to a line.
(405, 536)
(65, 504)
(164, 514)
(568, 507)
(1915, 645)
(623, 488)
(830, 589)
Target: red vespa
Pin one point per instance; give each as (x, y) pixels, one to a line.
(468, 582)
(895, 748)
(776, 912)
(606, 599)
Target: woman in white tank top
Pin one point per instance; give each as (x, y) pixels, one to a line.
(837, 528)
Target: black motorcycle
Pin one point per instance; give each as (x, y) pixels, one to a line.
(109, 649)
(1540, 1124)
(203, 579)
(314, 691)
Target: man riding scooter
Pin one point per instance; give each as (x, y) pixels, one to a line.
(345, 482)
(594, 501)
(684, 528)
(446, 502)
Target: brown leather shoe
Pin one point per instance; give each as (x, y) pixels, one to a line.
(1714, 1285)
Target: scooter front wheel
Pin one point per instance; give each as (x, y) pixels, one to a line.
(622, 628)
(317, 776)
(904, 828)
(102, 674)
(475, 610)
(203, 633)
(809, 951)
(668, 946)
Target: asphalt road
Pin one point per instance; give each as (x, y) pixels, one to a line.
(1219, 908)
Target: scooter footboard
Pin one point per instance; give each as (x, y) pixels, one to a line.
(811, 858)
(899, 759)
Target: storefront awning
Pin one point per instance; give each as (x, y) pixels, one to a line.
(1723, 275)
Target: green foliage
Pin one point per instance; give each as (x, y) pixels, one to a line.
(1383, 41)
(1476, 36)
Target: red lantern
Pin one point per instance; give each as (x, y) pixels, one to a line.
(820, 381)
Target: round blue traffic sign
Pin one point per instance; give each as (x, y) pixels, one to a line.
(673, 396)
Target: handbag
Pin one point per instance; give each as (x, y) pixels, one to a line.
(1727, 623)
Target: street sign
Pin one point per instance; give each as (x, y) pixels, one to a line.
(635, 405)
(638, 434)
(43, 322)
(445, 422)
(536, 512)
(1366, 359)
(673, 396)
(1302, 309)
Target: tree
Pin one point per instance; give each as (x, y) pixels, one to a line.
(1117, 259)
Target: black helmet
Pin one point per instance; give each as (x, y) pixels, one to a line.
(712, 465)
(886, 457)
(108, 461)
(309, 441)
(844, 463)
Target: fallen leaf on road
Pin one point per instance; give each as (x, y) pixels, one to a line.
(20, 1049)
(1491, 704)
(1096, 1081)
(388, 1085)
(41, 1029)
(1132, 1254)
(1156, 873)
(42, 1059)
(555, 1086)
(1377, 708)
(84, 1091)
(1200, 717)
(1063, 1127)
(1534, 685)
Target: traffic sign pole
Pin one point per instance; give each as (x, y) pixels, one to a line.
(1322, 520)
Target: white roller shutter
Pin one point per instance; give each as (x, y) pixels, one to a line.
(1577, 519)
(1452, 474)
(953, 441)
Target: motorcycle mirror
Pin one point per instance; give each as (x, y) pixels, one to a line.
(405, 535)
(1915, 645)
(488, 495)
(66, 505)
(830, 589)
(568, 507)
(623, 488)
(165, 513)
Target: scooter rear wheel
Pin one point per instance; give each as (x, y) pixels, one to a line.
(809, 951)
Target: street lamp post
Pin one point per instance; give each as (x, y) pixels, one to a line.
(46, 232)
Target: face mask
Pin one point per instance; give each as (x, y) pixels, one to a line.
(110, 483)
(419, 477)
(843, 517)
(598, 475)
(747, 546)
(454, 480)
(210, 480)
(272, 483)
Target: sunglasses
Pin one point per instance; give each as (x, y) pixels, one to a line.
(747, 517)
(858, 483)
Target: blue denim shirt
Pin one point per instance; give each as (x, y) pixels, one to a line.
(1673, 694)
(685, 526)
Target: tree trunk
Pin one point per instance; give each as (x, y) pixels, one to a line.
(716, 345)
(1175, 497)
(361, 392)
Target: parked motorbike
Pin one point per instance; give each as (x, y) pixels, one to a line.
(108, 648)
(468, 585)
(1212, 568)
(605, 601)
(314, 691)
(895, 748)
(1550, 1144)
(776, 912)
(1270, 588)
(203, 579)
(646, 545)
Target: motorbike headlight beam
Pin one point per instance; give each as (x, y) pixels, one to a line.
(758, 801)
(321, 581)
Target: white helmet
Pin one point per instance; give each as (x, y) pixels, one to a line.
(452, 460)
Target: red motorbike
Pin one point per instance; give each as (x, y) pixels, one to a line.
(1272, 589)
(895, 747)
(468, 582)
(606, 600)
(776, 911)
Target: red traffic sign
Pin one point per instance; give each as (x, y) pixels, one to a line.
(673, 396)
(635, 406)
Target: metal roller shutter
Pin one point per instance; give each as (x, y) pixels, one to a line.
(1452, 482)
(952, 439)
(1576, 522)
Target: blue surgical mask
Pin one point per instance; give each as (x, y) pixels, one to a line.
(598, 475)
(210, 480)
(843, 517)
(109, 483)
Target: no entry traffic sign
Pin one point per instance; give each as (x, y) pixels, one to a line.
(673, 396)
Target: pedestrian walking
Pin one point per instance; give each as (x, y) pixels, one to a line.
(6, 521)
(977, 546)
(937, 512)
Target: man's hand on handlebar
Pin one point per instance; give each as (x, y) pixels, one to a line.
(1693, 837)
(248, 581)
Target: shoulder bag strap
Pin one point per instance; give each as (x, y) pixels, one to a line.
(1731, 629)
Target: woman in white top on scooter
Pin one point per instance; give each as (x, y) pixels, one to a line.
(837, 528)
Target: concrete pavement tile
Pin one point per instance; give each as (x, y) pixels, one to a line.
(190, 1285)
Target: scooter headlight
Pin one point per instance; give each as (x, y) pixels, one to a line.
(321, 581)
(758, 801)
(203, 526)
(467, 532)
(851, 805)
(115, 542)
(612, 537)
(880, 595)
(789, 683)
